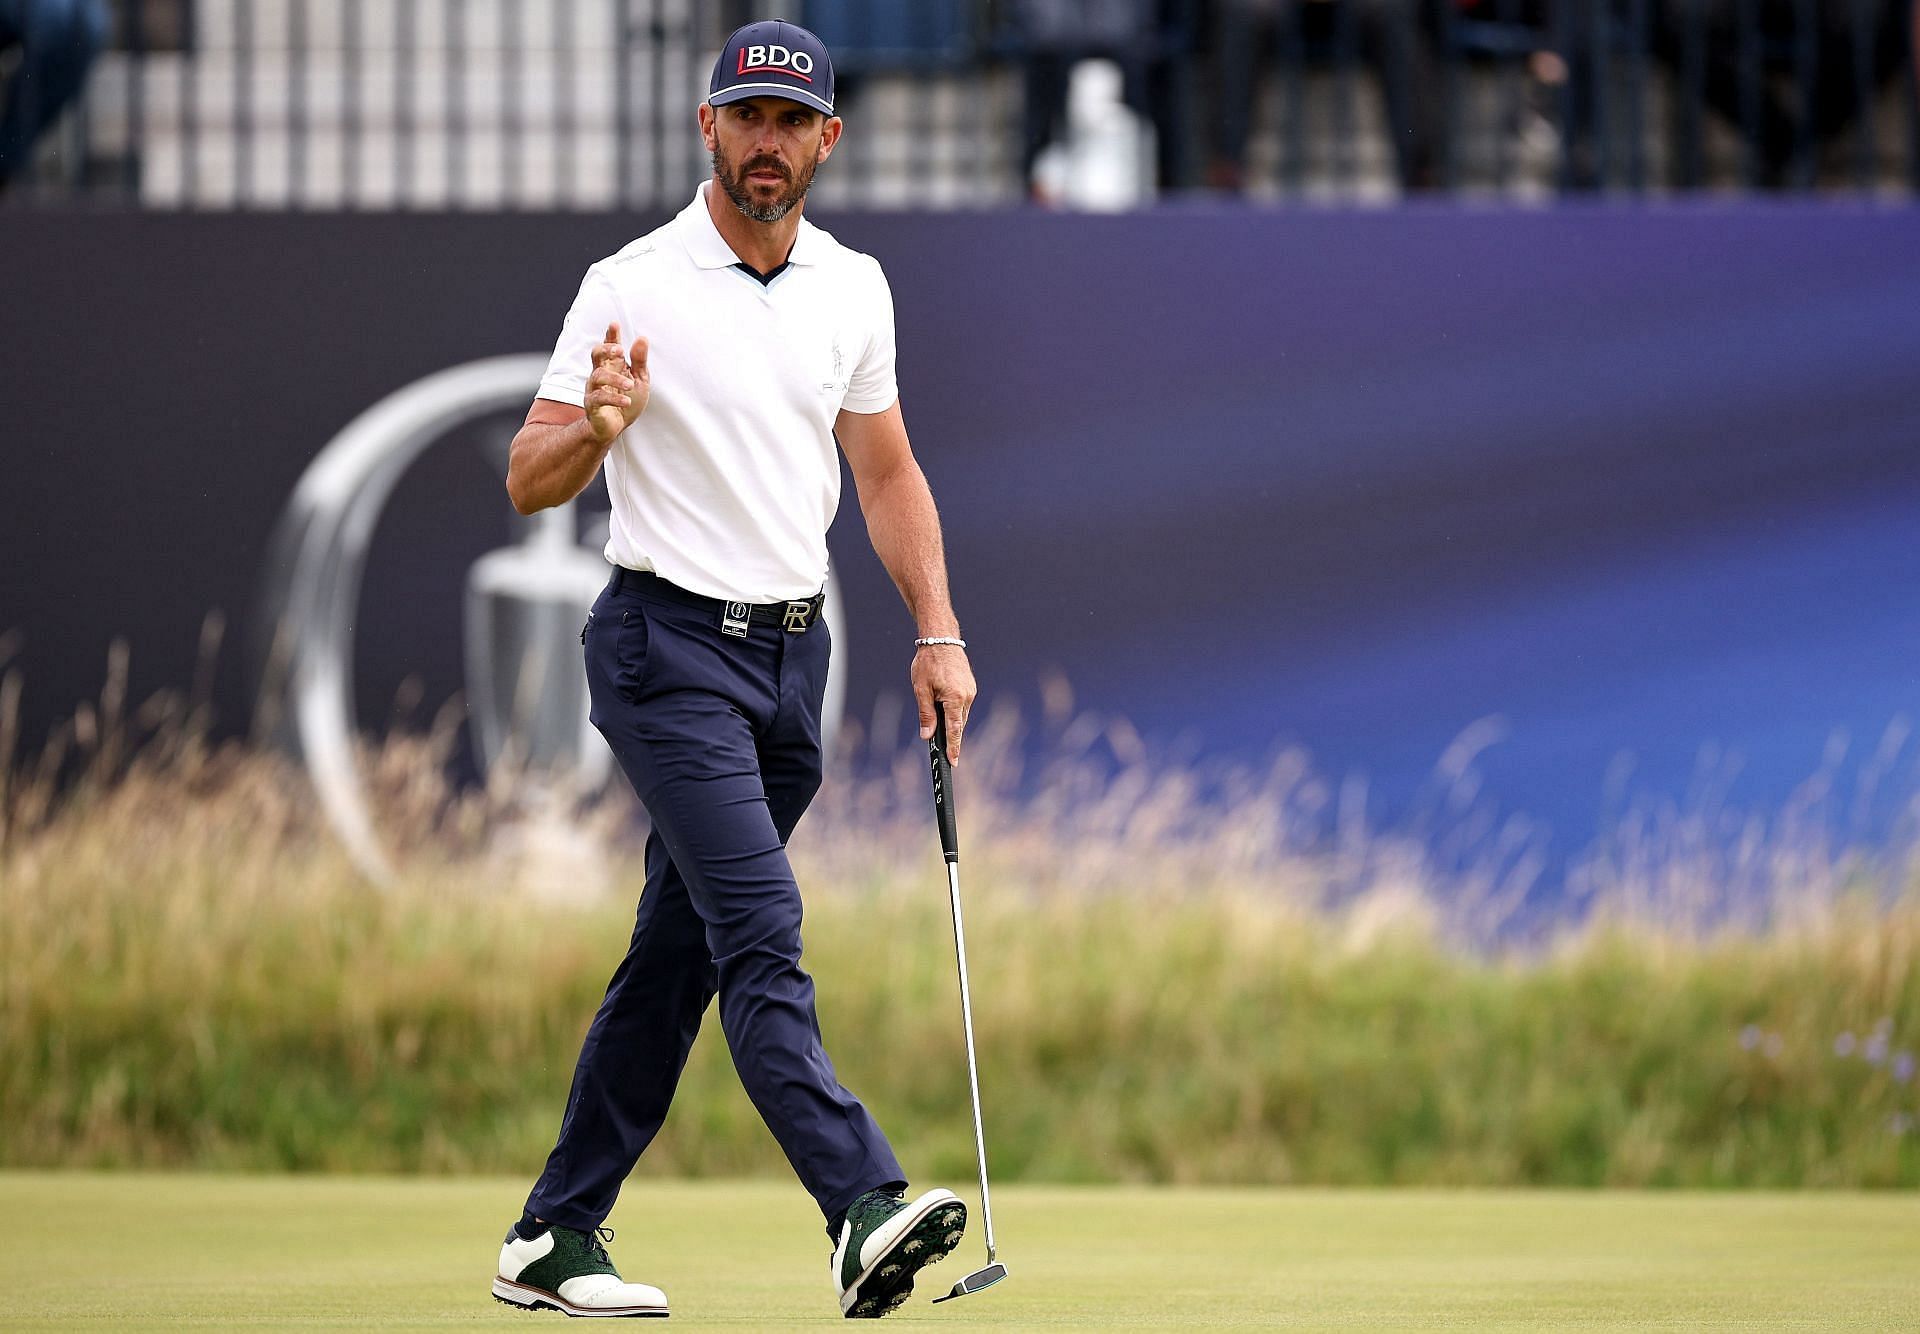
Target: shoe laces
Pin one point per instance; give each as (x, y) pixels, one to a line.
(877, 1204)
(597, 1244)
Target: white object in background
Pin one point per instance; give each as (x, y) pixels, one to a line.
(527, 703)
(1105, 163)
(526, 693)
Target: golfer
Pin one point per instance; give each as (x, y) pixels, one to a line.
(757, 339)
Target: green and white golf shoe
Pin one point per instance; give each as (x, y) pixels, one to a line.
(568, 1271)
(886, 1241)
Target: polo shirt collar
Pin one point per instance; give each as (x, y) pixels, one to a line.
(710, 250)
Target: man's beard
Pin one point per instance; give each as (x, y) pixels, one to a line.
(735, 184)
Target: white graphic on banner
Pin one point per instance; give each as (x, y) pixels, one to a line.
(525, 603)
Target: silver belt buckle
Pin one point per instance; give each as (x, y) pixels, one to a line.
(798, 616)
(735, 620)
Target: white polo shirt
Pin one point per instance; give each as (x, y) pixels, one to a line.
(725, 485)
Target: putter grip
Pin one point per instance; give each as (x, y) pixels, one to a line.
(943, 785)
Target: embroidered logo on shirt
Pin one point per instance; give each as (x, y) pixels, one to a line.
(839, 380)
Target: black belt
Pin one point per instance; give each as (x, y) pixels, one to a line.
(794, 617)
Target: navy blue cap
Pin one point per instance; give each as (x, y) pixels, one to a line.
(773, 58)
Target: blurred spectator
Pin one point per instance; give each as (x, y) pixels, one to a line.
(1789, 75)
(1402, 37)
(1053, 36)
(1751, 51)
(1106, 159)
(55, 41)
(1566, 42)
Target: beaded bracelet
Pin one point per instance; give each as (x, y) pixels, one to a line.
(940, 639)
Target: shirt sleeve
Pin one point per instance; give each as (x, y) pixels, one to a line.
(873, 387)
(585, 328)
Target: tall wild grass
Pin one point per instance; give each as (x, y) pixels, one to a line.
(1178, 977)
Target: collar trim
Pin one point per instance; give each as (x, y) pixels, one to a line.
(709, 250)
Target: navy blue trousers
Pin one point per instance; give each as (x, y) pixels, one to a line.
(721, 740)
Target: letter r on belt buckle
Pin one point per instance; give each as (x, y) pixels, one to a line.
(734, 621)
(799, 616)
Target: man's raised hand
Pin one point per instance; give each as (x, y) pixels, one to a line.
(618, 388)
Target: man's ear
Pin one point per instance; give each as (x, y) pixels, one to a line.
(706, 127)
(829, 136)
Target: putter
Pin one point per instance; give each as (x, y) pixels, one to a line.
(994, 1271)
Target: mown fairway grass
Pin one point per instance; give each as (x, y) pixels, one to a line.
(142, 1251)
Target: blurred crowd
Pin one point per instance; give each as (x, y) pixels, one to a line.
(1183, 84)
(1789, 76)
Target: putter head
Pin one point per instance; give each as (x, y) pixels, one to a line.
(972, 1283)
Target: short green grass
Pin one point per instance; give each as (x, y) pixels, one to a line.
(146, 1251)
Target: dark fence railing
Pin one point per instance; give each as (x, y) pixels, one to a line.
(561, 104)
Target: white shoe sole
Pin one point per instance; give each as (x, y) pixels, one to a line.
(535, 1299)
(917, 1248)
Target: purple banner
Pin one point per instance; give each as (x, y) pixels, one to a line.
(1611, 487)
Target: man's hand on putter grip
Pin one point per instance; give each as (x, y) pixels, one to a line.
(618, 388)
(942, 672)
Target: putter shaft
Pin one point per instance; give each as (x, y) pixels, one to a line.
(973, 1073)
(950, 846)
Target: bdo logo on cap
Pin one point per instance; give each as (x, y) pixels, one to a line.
(756, 58)
(773, 58)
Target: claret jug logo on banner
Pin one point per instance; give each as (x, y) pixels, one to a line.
(524, 604)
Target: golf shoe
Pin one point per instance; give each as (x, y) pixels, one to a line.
(566, 1270)
(885, 1241)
